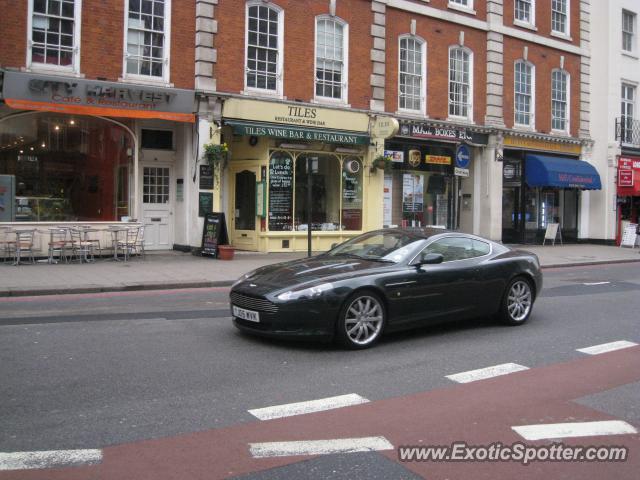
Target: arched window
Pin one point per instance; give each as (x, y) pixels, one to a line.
(331, 58)
(460, 82)
(560, 100)
(523, 93)
(264, 47)
(412, 71)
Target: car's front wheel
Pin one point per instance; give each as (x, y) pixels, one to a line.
(362, 320)
(517, 302)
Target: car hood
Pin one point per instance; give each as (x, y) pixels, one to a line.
(306, 271)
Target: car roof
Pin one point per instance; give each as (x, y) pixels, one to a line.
(419, 232)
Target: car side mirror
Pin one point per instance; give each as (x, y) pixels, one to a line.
(333, 245)
(429, 259)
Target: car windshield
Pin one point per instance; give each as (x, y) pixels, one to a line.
(392, 247)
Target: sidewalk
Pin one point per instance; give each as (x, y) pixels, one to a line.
(170, 269)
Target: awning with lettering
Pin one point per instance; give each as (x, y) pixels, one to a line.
(293, 133)
(545, 171)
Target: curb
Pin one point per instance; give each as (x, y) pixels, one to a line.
(586, 264)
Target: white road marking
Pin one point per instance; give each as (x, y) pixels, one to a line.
(300, 408)
(595, 283)
(319, 447)
(578, 429)
(607, 347)
(488, 372)
(48, 459)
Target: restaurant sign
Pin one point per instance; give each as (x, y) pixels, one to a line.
(28, 91)
(297, 133)
(452, 133)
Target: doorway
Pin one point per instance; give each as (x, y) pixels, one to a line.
(243, 222)
(157, 207)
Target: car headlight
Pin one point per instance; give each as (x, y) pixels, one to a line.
(310, 292)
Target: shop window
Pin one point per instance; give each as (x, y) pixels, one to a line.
(147, 38)
(460, 82)
(66, 168)
(264, 47)
(331, 49)
(53, 33)
(412, 92)
(336, 192)
(559, 100)
(523, 97)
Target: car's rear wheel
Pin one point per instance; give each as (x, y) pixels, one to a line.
(362, 320)
(517, 302)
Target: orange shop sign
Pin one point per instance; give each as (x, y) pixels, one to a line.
(437, 159)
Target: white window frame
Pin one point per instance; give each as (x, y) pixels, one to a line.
(469, 116)
(628, 102)
(532, 107)
(344, 99)
(465, 6)
(278, 92)
(532, 14)
(632, 33)
(567, 77)
(423, 76)
(567, 20)
(75, 64)
(166, 69)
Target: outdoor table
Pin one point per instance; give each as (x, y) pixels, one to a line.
(115, 233)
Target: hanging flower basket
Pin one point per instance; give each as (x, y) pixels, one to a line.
(216, 153)
(383, 163)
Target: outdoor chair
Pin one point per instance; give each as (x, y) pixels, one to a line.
(58, 244)
(5, 244)
(95, 242)
(23, 246)
(80, 248)
(129, 244)
(139, 248)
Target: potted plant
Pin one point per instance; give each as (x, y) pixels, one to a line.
(225, 252)
(383, 163)
(216, 153)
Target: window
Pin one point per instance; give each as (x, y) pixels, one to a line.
(523, 93)
(331, 42)
(463, 3)
(264, 47)
(53, 36)
(412, 84)
(628, 30)
(460, 96)
(155, 185)
(627, 113)
(524, 11)
(456, 248)
(147, 39)
(559, 22)
(559, 96)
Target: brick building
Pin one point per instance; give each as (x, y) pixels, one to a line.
(97, 115)
(489, 100)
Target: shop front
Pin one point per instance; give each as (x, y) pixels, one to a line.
(628, 191)
(431, 179)
(83, 151)
(293, 168)
(541, 184)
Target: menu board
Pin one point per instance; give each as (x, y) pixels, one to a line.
(206, 177)
(280, 194)
(205, 203)
(214, 233)
(412, 193)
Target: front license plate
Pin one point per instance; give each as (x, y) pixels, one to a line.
(249, 315)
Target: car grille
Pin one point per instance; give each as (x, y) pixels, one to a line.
(253, 303)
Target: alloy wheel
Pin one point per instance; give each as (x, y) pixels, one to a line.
(519, 301)
(363, 320)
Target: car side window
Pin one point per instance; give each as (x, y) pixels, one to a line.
(481, 248)
(452, 248)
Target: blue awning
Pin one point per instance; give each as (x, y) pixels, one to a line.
(544, 171)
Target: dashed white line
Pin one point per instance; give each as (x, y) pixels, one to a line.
(578, 429)
(300, 408)
(607, 347)
(48, 459)
(488, 372)
(319, 447)
(590, 284)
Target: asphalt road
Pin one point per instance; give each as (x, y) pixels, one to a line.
(98, 370)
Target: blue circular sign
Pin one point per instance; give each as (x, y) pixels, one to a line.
(463, 156)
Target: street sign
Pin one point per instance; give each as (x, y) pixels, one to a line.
(461, 172)
(625, 178)
(463, 156)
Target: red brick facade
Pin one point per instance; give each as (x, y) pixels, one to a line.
(102, 39)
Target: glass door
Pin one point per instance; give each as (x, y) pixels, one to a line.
(243, 214)
(511, 217)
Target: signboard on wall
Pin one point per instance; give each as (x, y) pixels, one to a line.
(205, 203)
(412, 193)
(206, 177)
(280, 194)
(439, 132)
(387, 200)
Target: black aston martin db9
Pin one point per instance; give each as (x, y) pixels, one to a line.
(387, 280)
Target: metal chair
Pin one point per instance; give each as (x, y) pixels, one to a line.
(81, 249)
(58, 244)
(5, 244)
(128, 245)
(23, 246)
(139, 248)
(94, 241)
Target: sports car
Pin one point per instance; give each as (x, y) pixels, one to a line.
(387, 280)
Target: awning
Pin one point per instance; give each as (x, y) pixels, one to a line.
(544, 171)
(262, 129)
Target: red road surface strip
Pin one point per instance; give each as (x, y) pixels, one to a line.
(479, 413)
